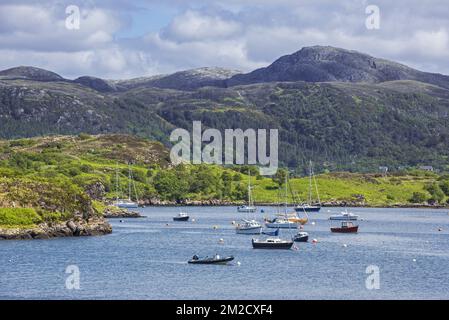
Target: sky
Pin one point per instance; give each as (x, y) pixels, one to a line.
(119, 39)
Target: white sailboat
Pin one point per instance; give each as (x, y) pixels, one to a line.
(125, 203)
(285, 220)
(310, 206)
(250, 206)
(248, 226)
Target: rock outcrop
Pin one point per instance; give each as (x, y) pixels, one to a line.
(71, 228)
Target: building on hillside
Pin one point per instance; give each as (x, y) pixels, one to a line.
(383, 170)
(426, 168)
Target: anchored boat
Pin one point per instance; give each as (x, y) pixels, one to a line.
(272, 243)
(181, 217)
(126, 203)
(310, 206)
(345, 215)
(346, 227)
(250, 206)
(249, 227)
(210, 260)
(301, 237)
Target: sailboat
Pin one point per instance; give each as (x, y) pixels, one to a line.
(250, 206)
(286, 220)
(276, 242)
(248, 226)
(125, 203)
(310, 206)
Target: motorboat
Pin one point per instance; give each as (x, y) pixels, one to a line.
(246, 208)
(308, 207)
(282, 223)
(216, 259)
(346, 227)
(182, 216)
(345, 215)
(272, 243)
(301, 237)
(249, 227)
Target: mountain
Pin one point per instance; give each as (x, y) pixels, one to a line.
(29, 73)
(349, 111)
(321, 64)
(96, 83)
(182, 80)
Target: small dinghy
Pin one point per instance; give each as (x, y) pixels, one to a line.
(272, 243)
(301, 237)
(210, 260)
(181, 217)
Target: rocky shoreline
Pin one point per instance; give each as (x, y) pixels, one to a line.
(122, 213)
(214, 202)
(71, 228)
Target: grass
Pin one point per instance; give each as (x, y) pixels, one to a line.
(19, 217)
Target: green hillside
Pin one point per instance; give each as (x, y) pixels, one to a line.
(59, 177)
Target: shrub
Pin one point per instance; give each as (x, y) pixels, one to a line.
(19, 217)
(418, 197)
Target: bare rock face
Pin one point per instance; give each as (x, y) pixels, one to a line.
(91, 227)
(96, 191)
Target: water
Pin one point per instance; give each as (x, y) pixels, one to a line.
(146, 259)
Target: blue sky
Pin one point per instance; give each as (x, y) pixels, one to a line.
(123, 39)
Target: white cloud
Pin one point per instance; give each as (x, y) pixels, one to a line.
(238, 34)
(192, 25)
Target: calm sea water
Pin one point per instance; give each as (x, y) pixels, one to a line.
(146, 259)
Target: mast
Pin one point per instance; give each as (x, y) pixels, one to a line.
(286, 194)
(129, 181)
(249, 188)
(310, 182)
(116, 183)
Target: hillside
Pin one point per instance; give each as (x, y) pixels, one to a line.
(363, 112)
(86, 168)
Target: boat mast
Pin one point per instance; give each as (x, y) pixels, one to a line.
(286, 194)
(310, 182)
(249, 188)
(116, 182)
(129, 181)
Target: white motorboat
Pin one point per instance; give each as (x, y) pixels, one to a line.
(246, 209)
(282, 223)
(344, 215)
(249, 227)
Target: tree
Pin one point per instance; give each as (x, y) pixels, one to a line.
(418, 197)
(437, 195)
(169, 186)
(444, 186)
(279, 177)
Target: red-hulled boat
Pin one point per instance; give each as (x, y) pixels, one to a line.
(346, 227)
